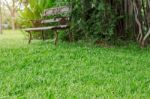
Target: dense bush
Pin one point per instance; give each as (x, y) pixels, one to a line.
(92, 19)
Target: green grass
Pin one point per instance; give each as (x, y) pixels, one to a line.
(71, 71)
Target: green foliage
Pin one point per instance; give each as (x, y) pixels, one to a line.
(41, 70)
(92, 19)
(33, 11)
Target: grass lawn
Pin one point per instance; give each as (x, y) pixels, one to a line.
(71, 71)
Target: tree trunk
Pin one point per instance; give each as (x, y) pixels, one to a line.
(13, 16)
(13, 23)
(145, 38)
(1, 24)
(0, 17)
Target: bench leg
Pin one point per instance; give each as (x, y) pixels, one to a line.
(56, 38)
(70, 37)
(43, 35)
(30, 37)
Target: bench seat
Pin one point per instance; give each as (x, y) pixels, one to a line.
(46, 28)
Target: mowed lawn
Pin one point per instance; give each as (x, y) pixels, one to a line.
(71, 71)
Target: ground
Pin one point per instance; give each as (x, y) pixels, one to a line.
(71, 71)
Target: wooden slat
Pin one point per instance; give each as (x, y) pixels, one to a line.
(53, 20)
(46, 28)
(57, 10)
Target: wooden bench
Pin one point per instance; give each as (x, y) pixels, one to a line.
(58, 23)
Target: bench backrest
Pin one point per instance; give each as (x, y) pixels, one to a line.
(57, 10)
